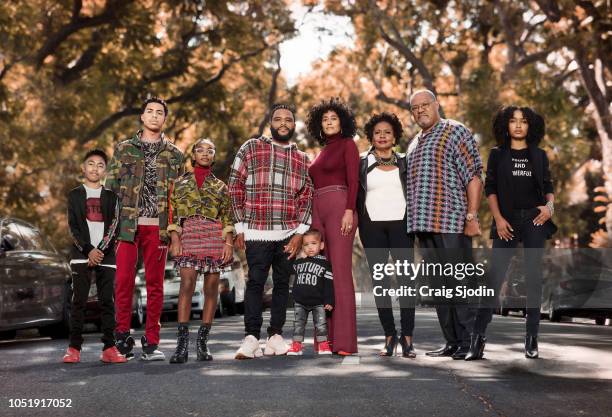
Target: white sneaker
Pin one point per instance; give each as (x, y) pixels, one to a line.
(276, 346)
(249, 349)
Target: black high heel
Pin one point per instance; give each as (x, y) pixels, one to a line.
(407, 349)
(531, 347)
(390, 346)
(477, 345)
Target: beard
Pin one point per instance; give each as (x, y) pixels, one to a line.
(281, 138)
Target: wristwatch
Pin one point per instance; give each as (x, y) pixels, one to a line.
(471, 216)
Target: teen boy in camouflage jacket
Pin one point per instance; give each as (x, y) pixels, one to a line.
(141, 173)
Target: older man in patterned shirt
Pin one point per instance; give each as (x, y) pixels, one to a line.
(443, 195)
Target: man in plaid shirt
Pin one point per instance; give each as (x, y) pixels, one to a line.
(443, 195)
(271, 195)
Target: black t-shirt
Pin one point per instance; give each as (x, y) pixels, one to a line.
(313, 283)
(525, 195)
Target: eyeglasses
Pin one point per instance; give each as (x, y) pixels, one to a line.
(417, 107)
(209, 152)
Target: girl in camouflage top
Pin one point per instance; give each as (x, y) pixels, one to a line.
(201, 232)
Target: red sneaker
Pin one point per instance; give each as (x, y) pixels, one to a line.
(112, 355)
(324, 348)
(72, 355)
(295, 349)
(345, 353)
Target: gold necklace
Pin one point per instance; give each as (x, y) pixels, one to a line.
(386, 162)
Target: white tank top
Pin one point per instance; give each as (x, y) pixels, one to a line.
(385, 198)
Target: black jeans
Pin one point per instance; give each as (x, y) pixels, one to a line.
(105, 283)
(456, 320)
(533, 238)
(301, 317)
(379, 238)
(261, 255)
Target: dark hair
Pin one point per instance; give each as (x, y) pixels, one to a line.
(96, 152)
(154, 99)
(390, 118)
(312, 232)
(348, 125)
(278, 106)
(536, 125)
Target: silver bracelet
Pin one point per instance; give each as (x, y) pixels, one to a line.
(551, 207)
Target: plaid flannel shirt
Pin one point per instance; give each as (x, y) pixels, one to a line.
(440, 166)
(270, 190)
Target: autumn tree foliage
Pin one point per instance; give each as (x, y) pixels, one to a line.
(74, 73)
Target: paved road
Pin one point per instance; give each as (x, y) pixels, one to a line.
(573, 378)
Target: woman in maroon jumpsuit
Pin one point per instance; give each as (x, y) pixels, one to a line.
(335, 174)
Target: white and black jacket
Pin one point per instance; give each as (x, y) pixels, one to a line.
(77, 222)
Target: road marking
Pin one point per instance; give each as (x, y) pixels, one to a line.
(350, 360)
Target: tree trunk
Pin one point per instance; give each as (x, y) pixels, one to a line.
(592, 76)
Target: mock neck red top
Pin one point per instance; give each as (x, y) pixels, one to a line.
(337, 164)
(200, 174)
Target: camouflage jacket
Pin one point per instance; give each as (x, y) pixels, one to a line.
(211, 200)
(125, 177)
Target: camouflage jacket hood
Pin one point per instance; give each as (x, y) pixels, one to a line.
(126, 175)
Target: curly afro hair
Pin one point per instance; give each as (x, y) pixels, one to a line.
(348, 126)
(390, 118)
(535, 122)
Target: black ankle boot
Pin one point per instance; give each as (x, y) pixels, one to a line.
(202, 344)
(531, 347)
(182, 345)
(477, 345)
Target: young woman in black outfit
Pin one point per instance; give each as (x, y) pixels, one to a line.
(520, 193)
(381, 209)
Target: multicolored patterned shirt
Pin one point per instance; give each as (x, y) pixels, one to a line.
(440, 166)
(270, 190)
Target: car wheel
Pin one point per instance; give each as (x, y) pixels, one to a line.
(60, 330)
(219, 311)
(554, 315)
(138, 316)
(228, 303)
(240, 308)
(8, 335)
(600, 321)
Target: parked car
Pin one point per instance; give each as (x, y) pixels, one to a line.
(513, 291)
(35, 282)
(577, 283)
(93, 311)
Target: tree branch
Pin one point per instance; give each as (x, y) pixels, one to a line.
(398, 44)
(190, 94)
(85, 61)
(77, 23)
(271, 93)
